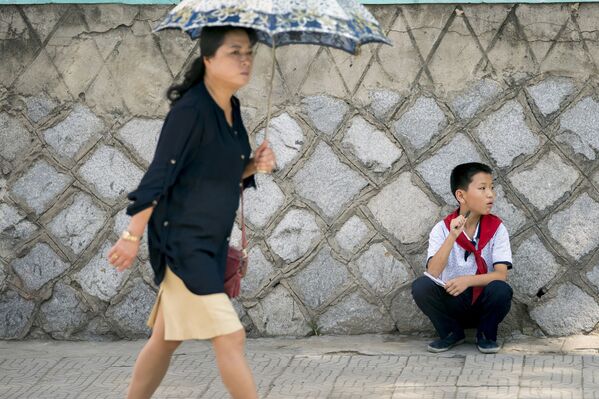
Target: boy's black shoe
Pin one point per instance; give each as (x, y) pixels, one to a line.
(487, 346)
(443, 344)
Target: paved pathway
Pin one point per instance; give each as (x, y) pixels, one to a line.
(370, 366)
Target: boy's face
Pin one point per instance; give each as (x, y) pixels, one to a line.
(480, 196)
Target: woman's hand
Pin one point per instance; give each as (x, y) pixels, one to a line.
(457, 285)
(264, 158)
(122, 254)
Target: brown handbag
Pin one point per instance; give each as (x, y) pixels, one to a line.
(237, 262)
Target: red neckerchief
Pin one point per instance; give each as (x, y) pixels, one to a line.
(488, 225)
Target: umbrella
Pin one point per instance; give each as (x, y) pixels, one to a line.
(342, 24)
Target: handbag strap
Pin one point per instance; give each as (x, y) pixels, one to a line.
(244, 241)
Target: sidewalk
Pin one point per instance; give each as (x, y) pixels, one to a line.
(371, 366)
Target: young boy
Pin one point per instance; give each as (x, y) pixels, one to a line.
(470, 252)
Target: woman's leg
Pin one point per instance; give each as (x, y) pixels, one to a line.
(152, 362)
(234, 370)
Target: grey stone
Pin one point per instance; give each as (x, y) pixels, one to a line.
(258, 274)
(97, 329)
(370, 145)
(506, 135)
(354, 315)
(321, 279)
(111, 173)
(534, 267)
(70, 135)
(328, 182)
(69, 229)
(278, 314)
(475, 97)
(15, 315)
(383, 101)
(404, 210)
(13, 224)
(353, 233)
(549, 93)
(15, 139)
(421, 122)
(121, 222)
(295, 235)
(381, 269)
(546, 182)
(437, 169)
(261, 204)
(576, 143)
(286, 139)
(99, 278)
(571, 311)
(2, 276)
(39, 266)
(64, 313)
(583, 120)
(40, 185)
(575, 228)
(141, 135)
(131, 313)
(512, 216)
(408, 317)
(39, 107)
(593, 276)
(325, 113)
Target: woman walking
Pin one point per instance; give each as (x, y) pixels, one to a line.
(188, 198)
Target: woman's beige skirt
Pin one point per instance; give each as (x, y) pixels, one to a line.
(190, 316)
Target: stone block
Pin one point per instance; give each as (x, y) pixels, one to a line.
(506, 135)
(39, 266)
(571, 311)
(15, 313)
(286, 139)
(546, 181)
(477, 96)
(327, 181)
(371, 146)
(320, 279)
(353, 233)
(325, 113)
(408, 317)
(111, 173)
(354, 315)
(38, 107)
(264, 202)
(383, 272)
(575, 227)
(14, 227)
(15, 139)
(420, 123)
(278, 314)
(68, 137)
(549, 93)
(534, 268)
(382, 102)
(99, 278)
(67, 226)
(513, 218)
(593, 276)
(131, 313)
(295, 234)
(64, 313)
(582, 120)
(436, 170)
(39, 186)
(404, 210)
(141, 136)
(260, 270)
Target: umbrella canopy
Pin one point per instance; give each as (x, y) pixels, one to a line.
(342, 24)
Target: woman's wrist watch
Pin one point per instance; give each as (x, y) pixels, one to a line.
(130, 237)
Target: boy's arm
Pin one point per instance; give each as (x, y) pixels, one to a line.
(436, 264)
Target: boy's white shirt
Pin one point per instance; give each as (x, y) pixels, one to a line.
(497, 250)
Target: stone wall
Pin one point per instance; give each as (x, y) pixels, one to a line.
(365, 145)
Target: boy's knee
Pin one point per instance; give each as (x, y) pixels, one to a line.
(500, 291)
(422, 287)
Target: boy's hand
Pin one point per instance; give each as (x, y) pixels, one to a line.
(456, 226)
(457, 285)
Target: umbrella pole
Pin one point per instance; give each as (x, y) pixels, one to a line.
(272, 78)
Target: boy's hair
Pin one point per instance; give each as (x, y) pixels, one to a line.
(461, 175)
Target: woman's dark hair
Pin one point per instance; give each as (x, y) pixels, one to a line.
(461, 175)
(211, 39)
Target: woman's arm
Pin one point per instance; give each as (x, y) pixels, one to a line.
(123, 253)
